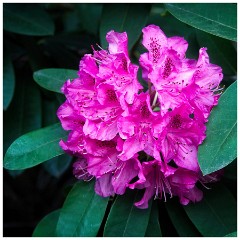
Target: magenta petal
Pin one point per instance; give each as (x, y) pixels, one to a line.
(143, 203)
(178, 44)
(117, 42)
(184, 179)
(130, 147)
(103, 186)
(193, 195)
(98, 166)
(104, 131)
(187, 157)
(125, 172)
(153, 36)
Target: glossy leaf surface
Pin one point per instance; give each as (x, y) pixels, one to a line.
(53, 78)
(34, 148)
(217, 19)
(221, 140)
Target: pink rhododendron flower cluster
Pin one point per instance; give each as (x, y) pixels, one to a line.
(127, 138)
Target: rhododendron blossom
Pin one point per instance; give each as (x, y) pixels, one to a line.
(126, 138)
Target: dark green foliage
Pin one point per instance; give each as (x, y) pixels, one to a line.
(42, 46)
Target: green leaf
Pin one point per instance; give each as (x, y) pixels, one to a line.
(35, 147)
(216, 214)
(53, 78)
(221, 51)
(217, 19)
(8, 79)
(153, 228)
(221, 140)
(180, 220)
(90, 15)
(24, 113)
(130, 18)
(82, 212)
(233, 234)
(125, 219)
(28, 19)
(58, 165)
(47, 226)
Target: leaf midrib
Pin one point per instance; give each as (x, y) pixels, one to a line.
(203, 17)
(39, 146)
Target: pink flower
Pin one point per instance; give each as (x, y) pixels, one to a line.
(126, 138)
(183, 185)
(136, 127)
(154, 178)
(208, 77)
(179, 135)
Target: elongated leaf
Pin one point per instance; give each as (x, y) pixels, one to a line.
(34, 148)
(130, 18)
(28, 19)
(153, 228)
(8, 79)
(90, 15)
(82, 212)
(24, 114)
(217, 19)
(58, 165)
(216, 214)
(53, 78)
(180, 220)
(221, 51)
(47, 226)
(221, 140)
(126, 220)
(233, 234)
